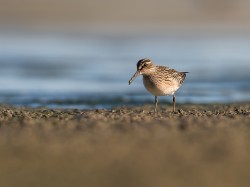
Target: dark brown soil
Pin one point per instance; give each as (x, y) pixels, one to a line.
(199, 145)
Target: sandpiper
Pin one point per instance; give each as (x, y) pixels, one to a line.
(159, 80)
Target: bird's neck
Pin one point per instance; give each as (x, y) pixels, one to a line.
(150, 71)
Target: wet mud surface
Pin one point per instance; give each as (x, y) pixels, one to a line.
(199, 145)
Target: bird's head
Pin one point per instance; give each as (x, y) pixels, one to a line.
(144, 67)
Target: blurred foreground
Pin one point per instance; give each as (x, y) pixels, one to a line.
(200, 145)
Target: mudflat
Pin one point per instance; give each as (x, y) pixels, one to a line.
(199, 145)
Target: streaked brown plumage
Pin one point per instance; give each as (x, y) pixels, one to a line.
(159, 80)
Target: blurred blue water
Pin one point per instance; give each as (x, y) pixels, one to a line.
(92, 71)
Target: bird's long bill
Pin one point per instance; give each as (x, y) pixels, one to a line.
(134, 76)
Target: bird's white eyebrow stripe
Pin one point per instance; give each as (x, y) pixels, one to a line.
(145, 60)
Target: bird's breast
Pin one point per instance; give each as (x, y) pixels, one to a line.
(160, 87)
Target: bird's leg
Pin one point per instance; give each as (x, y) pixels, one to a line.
(156, 103)
(173, 103)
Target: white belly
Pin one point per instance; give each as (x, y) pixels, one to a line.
(168, 88)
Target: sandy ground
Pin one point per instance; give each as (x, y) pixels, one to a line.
(95, 16)
(200, 145)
